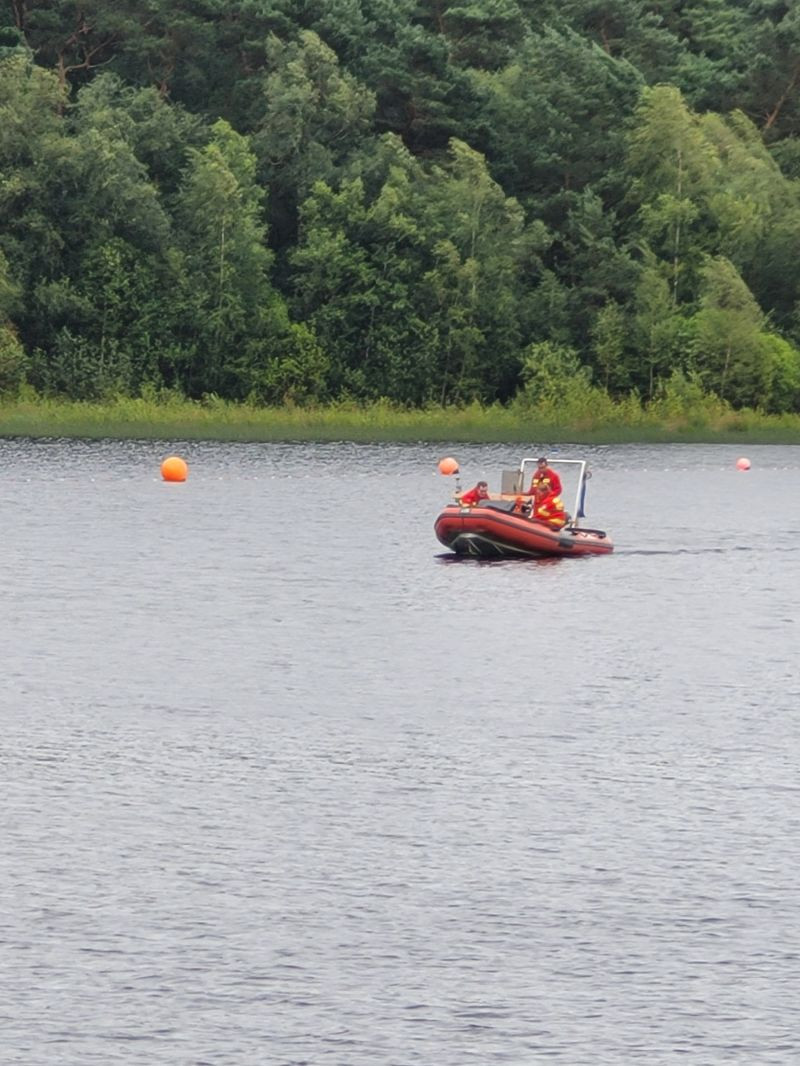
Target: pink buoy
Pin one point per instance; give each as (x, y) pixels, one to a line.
(743, 464)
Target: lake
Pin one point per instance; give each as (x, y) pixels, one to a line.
(285, 783)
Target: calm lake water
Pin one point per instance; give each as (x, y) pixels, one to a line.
(283, 783)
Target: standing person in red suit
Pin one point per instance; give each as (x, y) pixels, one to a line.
(545, 473)
(548, 506)
(472, 496)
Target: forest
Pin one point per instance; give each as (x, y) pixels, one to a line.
(417, 202)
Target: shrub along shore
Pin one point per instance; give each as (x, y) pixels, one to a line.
(213, 419)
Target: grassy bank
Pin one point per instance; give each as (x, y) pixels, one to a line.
(217, 420)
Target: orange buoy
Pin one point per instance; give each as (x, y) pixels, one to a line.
(448, 466)
(743, 464)
(174, 469)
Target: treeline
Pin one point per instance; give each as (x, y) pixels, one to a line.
(428, 202)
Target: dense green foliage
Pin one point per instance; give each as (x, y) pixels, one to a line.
(307, 202)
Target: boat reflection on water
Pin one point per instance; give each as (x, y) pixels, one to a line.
(465, 560)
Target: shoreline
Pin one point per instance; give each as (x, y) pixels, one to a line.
(135, 419)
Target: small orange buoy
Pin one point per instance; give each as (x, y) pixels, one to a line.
(448, 466)
(743, 464)
(174, 469)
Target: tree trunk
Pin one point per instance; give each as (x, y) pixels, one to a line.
(772, 117)
(723, 380)
(677, 241)
(20, 10)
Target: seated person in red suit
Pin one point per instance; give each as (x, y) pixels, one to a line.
(472, 496)
(545, 473)
(548, 507)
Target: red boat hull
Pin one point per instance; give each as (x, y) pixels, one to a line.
(488, 532)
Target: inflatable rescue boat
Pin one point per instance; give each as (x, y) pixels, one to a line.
(500, 527)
